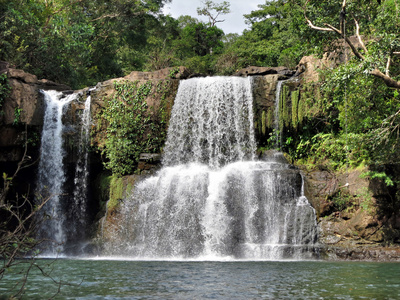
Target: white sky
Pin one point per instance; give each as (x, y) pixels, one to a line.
(234, 21)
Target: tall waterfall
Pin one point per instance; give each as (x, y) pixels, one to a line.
(212, 199)
(78, 211)
(67, 207)
(51, 171)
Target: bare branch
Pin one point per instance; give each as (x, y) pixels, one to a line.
(311, 25)
(110, 16)
(334, 29)
(387, 66)
(390, 82)
(359, 37)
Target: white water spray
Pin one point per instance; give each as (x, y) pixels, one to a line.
(79, 209)
(51, 174)
(213, 200)
(211, 122)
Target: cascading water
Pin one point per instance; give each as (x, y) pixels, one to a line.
(211, 123)
(277, 129)
(51, 174)
(212, 200)
(78, 212)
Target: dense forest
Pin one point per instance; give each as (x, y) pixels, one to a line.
(81, 42)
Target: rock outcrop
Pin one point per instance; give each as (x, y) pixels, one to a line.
(354, 233)
(261, 71)
(23, 106)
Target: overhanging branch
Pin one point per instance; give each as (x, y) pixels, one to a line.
(390, 82)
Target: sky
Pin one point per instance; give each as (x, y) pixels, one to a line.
(234, 21)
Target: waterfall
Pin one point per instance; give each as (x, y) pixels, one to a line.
(79, 206)
(212, 199)
(277, 128)
(212, 122)
(51, 173)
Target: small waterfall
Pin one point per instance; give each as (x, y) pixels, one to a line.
(212, 200)
(51, 174)
(277, 128)
(79, 207)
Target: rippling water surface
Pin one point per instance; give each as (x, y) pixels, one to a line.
(112, 279)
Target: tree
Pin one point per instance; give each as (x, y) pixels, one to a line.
(77, 42)
(213, 11)
(389, 41)
(276, 37)
(377, 56)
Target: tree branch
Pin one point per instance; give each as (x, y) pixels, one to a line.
(390, 82)
(312, 26)
(111, 16)
(387, 66)
(359, 37)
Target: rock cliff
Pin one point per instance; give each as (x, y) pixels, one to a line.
(354, 233)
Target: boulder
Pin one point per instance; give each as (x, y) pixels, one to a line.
(319, 186)
(261, 71)
(309, 68)
(264, 90)
(26, 97)
(45, 84)
(21, 76)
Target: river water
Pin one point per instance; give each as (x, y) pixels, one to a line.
(113, 279)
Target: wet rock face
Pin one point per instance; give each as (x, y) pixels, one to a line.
(23, 106)
(264, 90)
(364, 252)
(25, 96)
(319, 186)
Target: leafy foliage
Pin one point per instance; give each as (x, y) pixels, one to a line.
(4, 90)
(132, 126)
(75, 42)
(209, 8)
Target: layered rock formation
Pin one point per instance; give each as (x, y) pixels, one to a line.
(352, 234)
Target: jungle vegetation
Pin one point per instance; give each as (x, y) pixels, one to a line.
(81, 42)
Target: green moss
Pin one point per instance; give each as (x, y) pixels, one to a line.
(263, 123)
(130, 183)
(295, 102)
(103, 182)
(270, 118)
(116, 192)
(283, 108)
(119, 188)
(4, 90)
(301, 109)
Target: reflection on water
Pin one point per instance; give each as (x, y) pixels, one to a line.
(99, 279)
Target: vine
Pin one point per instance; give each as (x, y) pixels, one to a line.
(133, 127)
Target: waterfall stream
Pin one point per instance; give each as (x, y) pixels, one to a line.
(66, 225)
(212, 199)
(277, 128)
(81, 180)
(51, 171)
